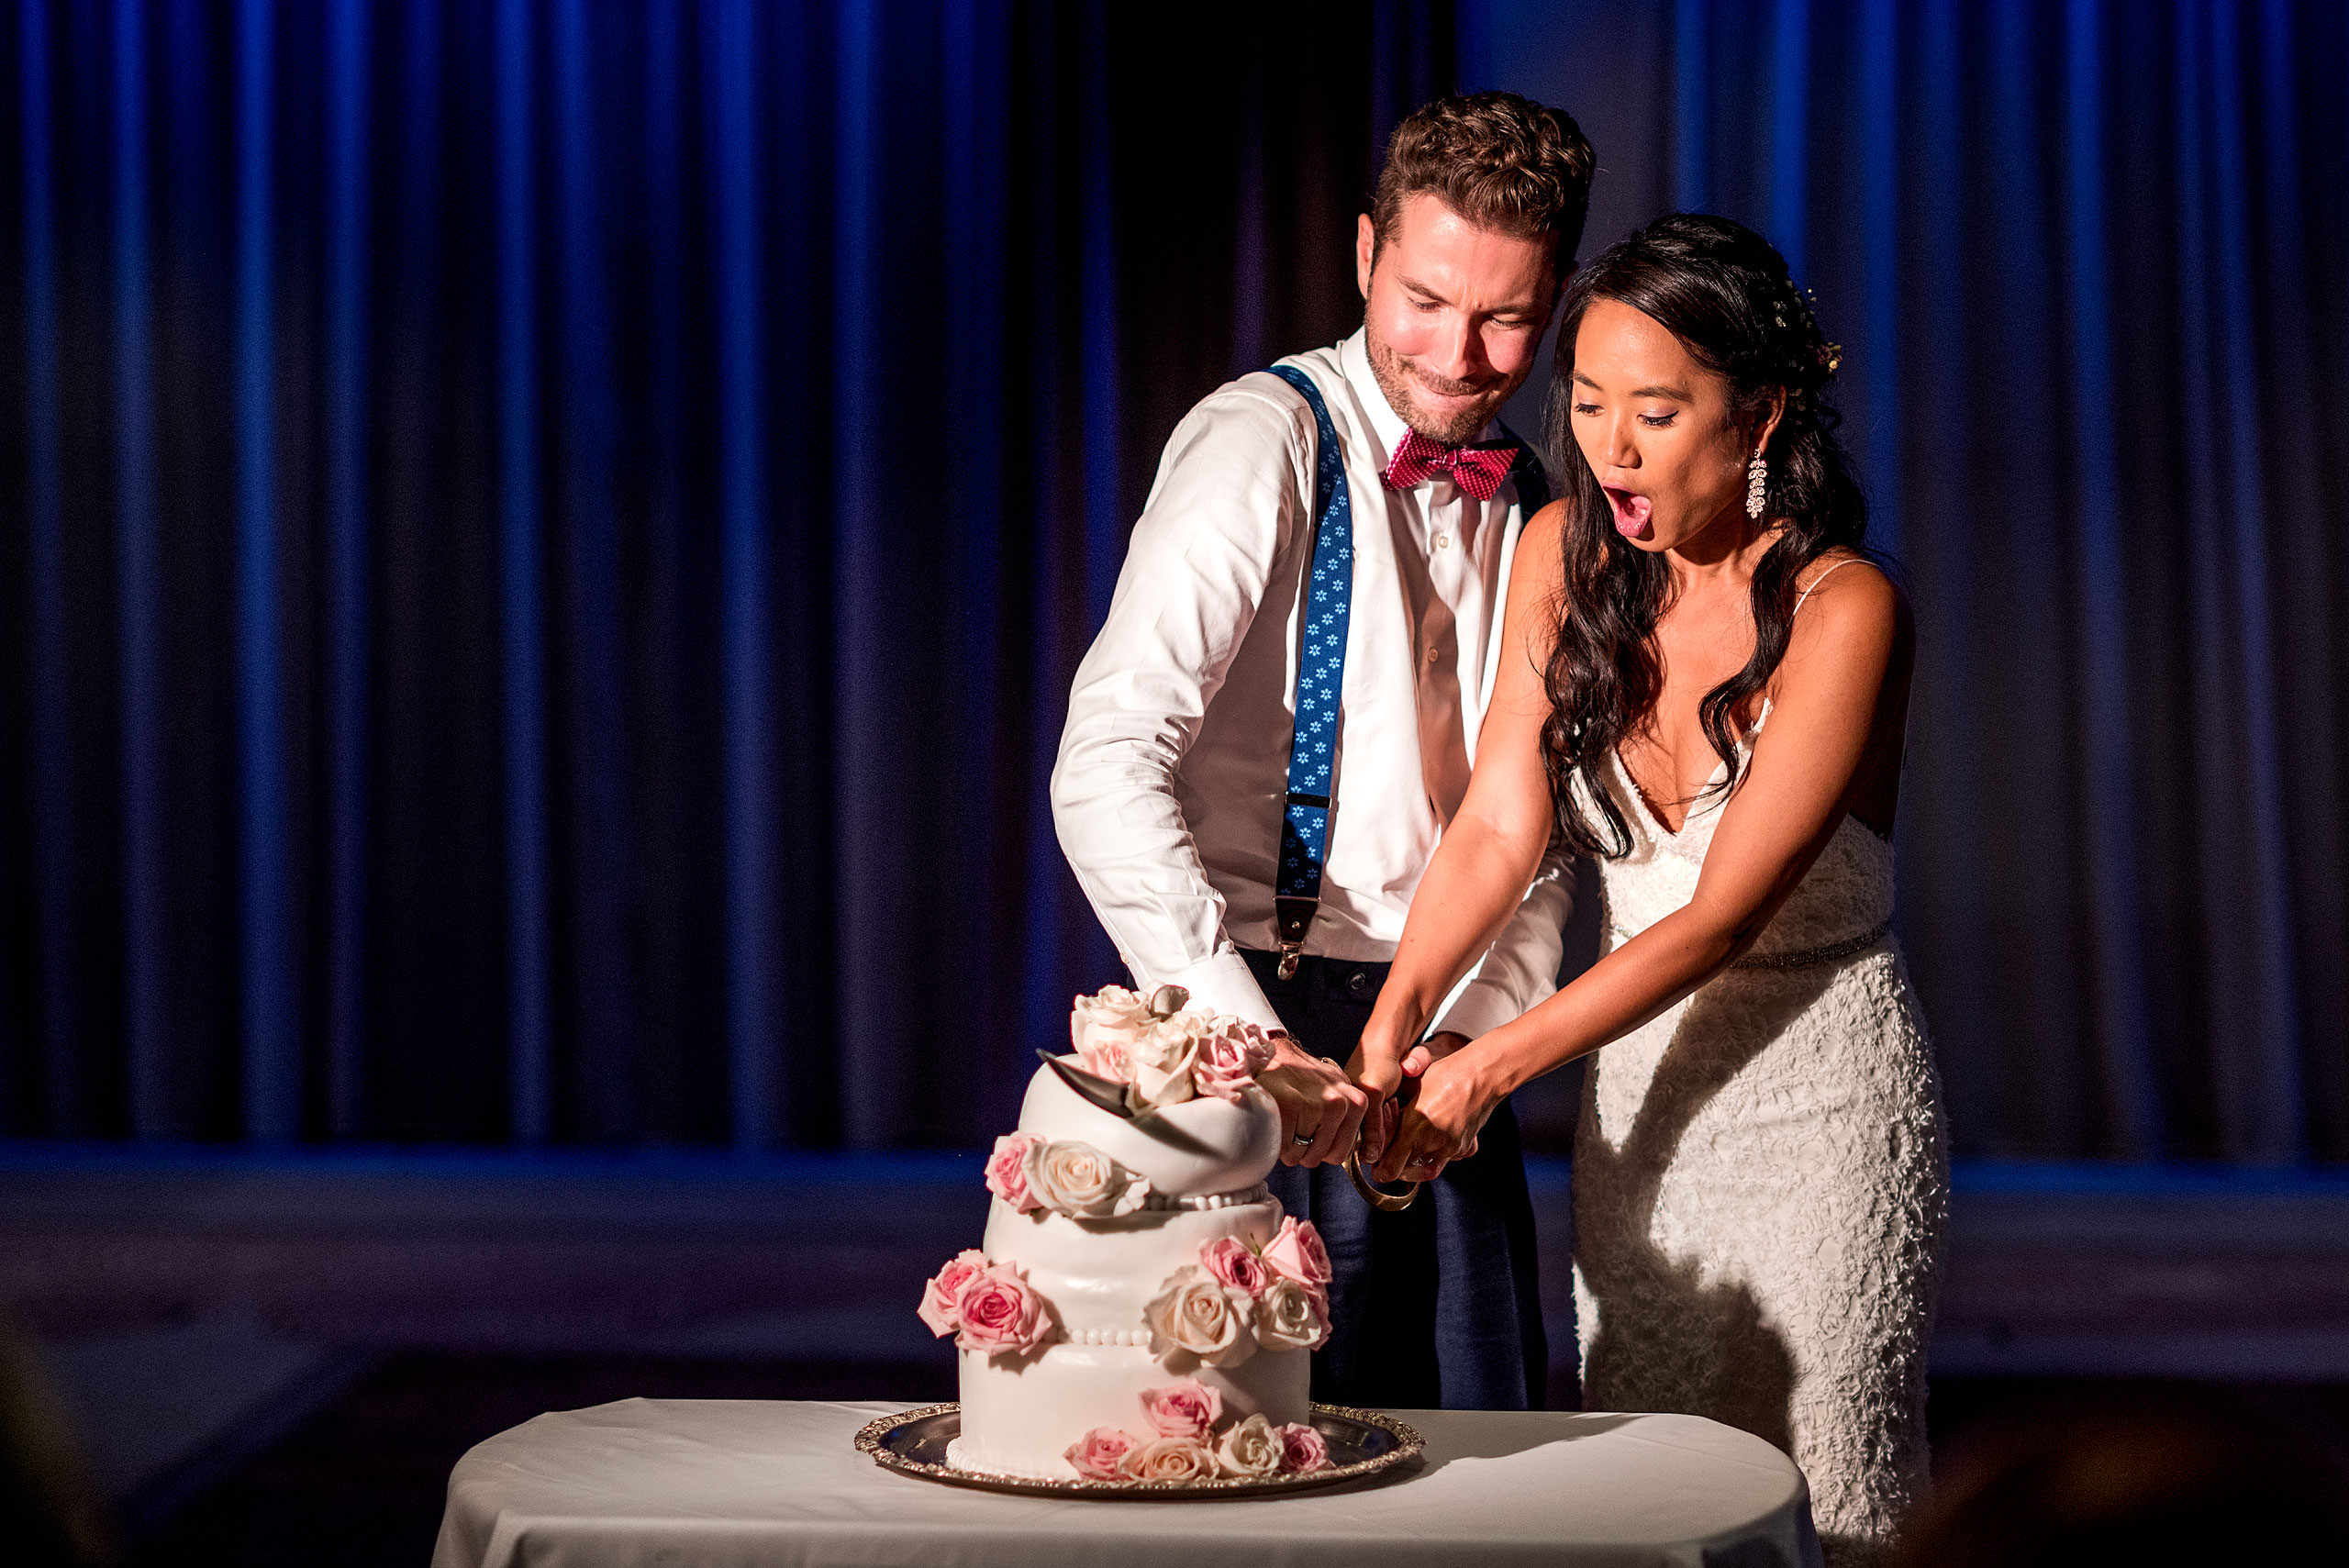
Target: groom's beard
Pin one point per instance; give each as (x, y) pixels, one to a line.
(1397, 381)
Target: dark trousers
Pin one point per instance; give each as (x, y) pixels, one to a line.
(1436, 1306)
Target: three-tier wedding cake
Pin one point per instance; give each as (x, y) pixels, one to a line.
(1140, 1310)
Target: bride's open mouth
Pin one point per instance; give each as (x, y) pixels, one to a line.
(1631, 511)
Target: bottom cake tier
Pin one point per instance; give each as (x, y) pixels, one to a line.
(1020, 1419)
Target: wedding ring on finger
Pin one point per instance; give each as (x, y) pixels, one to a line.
(1303, 1139)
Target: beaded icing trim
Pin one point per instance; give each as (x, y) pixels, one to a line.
(1256, 1194)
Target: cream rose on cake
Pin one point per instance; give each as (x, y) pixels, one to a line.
(1197, 1315)
(1078, 1179)
(1168, 1459)
(1291, 1315)
(1104, 1027)
(1162, 1059)
(1250, 1448)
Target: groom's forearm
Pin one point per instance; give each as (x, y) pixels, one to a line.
(1520, 969)
(1477, 882)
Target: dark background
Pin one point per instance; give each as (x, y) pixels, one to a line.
(542, 546)
(545, 542)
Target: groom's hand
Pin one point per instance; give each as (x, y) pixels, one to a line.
(1317, 1103)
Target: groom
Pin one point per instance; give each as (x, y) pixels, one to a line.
(1268, 737)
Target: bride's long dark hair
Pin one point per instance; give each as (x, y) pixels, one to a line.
(1724, 292)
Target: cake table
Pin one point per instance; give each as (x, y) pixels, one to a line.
(700, 1483)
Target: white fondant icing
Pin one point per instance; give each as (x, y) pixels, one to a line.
(1206, 1161)
(1100, 1273)
(1201, 1146)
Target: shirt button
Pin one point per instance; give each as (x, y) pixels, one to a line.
(1431, 655)
(1442, 541)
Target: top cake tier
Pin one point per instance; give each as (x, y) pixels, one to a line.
(1203, 1145)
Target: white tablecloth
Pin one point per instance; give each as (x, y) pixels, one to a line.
(729, 1484)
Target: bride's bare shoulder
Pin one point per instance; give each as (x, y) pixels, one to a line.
(1540, 560)
(1847, 605)
(1843, 586)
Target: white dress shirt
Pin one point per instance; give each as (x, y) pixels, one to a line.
(1173, 766)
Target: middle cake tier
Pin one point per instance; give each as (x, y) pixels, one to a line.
(1099, 1274)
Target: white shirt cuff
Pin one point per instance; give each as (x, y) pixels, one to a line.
(1476, 1009)
(1220, 982)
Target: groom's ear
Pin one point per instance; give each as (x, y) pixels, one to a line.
(1365, 250)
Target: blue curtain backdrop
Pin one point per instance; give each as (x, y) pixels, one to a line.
(2090, 264)
(545, 541)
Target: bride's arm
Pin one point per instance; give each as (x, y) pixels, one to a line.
(1798, 785)
(1493, 845)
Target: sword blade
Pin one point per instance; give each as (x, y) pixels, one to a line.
(1090, 1087)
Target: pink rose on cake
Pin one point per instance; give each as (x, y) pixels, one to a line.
(1230, 1057)
(1186, 1408)
(1168, 1459)
(1097, 1454)
(939, 1297)
(1250, 1448)
(1228, 1259)
(1162, 1059)
(1078, 1179)
(1292, 1315)
(1001, 1314)
(1302, 1449)
(1295, 1251)
(1199, 1314)
(1008, 1170)
(1103, 1029)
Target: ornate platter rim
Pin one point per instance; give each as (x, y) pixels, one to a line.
(1344, 1422)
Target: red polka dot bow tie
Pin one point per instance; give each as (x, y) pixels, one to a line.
(1477, 470)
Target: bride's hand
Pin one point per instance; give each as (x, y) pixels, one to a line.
(1441, 1122)
(1377, 1068)
(1430, 1051)
(1382, 1070)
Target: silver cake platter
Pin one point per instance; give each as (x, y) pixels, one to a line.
(1361, 1443)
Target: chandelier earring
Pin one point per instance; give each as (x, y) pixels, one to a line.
(1757, 481)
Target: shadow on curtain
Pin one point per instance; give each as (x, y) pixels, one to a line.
(2091, 266)
(545, 541)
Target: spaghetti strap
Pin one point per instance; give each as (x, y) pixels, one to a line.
(1821, 578)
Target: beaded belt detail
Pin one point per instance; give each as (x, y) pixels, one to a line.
(1801, 958)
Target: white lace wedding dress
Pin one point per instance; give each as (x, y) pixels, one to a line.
(1761, 1184)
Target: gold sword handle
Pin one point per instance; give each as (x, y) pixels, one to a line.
(1392, 1203)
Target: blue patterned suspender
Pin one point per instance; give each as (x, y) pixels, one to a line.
(1321, 672)
(1320, 678)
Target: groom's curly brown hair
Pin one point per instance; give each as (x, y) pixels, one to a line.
(1498, 159)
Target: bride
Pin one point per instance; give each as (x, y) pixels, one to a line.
(1706, 688)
